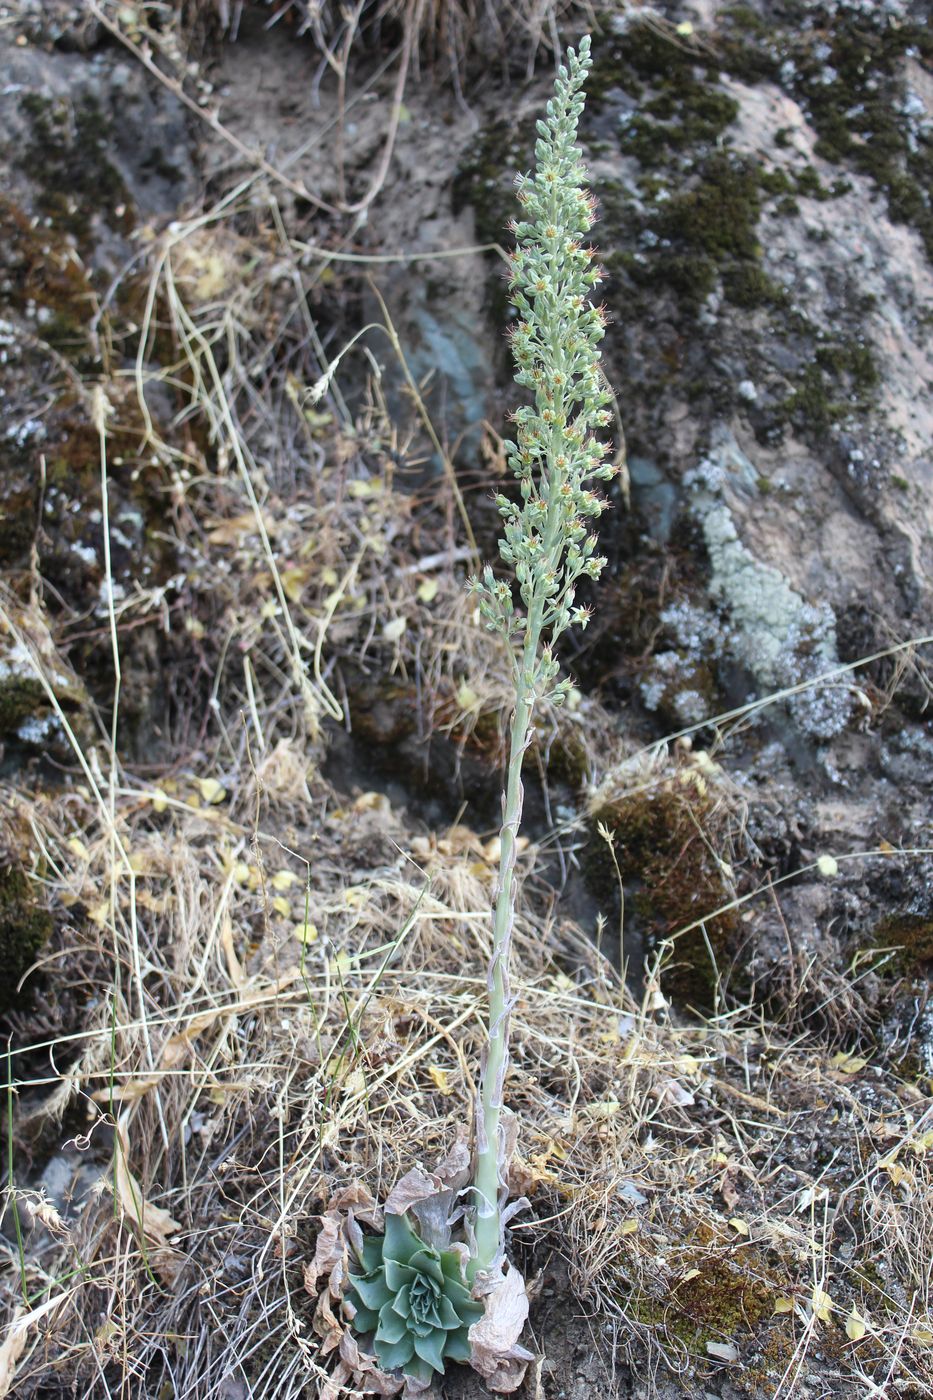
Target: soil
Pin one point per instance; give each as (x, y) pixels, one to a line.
(763, 634)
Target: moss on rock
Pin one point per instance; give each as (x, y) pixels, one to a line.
(840, 378)
(670, 847)
(26, 716)
(850, 74)
(25, 921)
(911, 933)
(43, 280)
(67, 151)
(713, 1292)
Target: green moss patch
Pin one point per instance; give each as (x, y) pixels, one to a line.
(842, 376)
(39, 273)
(67, 153)
(848, 70)
(909, 932)
(717, 1291)
(25, 921)
(669, 841)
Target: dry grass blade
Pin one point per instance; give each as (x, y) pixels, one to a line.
(11, 1350)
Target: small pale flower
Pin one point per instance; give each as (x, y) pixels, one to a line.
(555, 348)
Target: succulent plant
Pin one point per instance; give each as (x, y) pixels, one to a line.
(413, 1298)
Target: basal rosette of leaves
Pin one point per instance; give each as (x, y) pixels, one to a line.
(413, 1298)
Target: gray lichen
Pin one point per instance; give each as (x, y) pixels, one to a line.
(779, 636)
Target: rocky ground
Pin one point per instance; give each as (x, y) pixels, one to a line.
(233, 613)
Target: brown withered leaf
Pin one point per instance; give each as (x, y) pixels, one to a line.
(496, 1353)
(152, 1221)
(328, 1250)
(414, 1388)
(339, 1229)
(167, 1265)
(233, 529)
(369, 1378)
(522, 1178)
(453, 1171)
(728, 1187)
(336, 1384)
(415, 1186)
(338, 1278)
(358, 1199)
(432, 1196)
(327, 1325)
(126, 1093)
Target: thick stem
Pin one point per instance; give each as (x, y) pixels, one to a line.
(489, 1108)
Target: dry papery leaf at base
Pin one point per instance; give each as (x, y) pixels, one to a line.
(358, 1369)
(329, 1250)
(497, 1355)
(431, 1196)
(339, 1228)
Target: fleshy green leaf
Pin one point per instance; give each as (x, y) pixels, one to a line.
(364, 1319)
(421, 1370)
(447, 1314)
(423, 1297)
(453, 1269)
(457, 1346)
(401, 1301)
(401, 1242)
(392, 1327)
(469, 1311)
(431, 1348)
(458, 1293)
(431, 1315)
(426, 1261)
(397, 1275)
(373, 1291)
(372, 1253)
(394, 1354)
(414, 1300)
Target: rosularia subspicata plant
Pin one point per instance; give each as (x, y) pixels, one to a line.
(548, 539)
(415, 1298)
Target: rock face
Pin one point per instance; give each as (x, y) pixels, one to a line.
(774, 251)
(91, 150)
(767, 236)
(766, 230)
(764, 178)
(25, 922)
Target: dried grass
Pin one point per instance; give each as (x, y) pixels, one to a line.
(448, 31)
(673, 1167)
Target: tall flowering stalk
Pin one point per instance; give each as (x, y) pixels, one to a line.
(410, 1288)
(547, 542)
